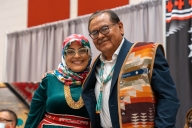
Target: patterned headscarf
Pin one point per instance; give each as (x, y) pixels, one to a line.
(66, 75)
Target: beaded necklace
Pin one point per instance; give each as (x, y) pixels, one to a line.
(99, 101)
(72, 104)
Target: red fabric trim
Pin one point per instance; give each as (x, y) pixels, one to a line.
(65, 120)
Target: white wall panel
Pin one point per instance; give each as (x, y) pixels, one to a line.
(73, 8)
(135, 1)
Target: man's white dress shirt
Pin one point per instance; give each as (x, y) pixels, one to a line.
(104, 113)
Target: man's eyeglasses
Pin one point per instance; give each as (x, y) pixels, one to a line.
(72, 52)
(103, 30)
(5, 120)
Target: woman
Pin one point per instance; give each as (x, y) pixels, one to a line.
(57, 103)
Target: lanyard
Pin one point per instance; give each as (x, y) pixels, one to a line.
(108, 78)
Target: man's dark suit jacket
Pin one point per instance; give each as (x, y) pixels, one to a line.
(161, 82)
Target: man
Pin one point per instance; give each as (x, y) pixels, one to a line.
(8, 117)
(129, 85)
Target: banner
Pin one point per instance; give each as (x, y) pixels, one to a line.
(23, 90)
(179, 52)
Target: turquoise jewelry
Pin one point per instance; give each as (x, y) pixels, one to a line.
(99, 101)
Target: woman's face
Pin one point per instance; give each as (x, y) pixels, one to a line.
(76, 57)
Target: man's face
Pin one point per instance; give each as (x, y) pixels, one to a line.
(106, 43)
(7, 119)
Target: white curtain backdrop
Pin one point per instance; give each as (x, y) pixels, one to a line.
(32, 52)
